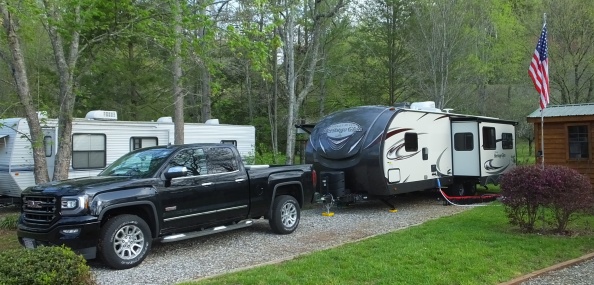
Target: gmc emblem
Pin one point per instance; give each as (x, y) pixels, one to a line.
(34, 204)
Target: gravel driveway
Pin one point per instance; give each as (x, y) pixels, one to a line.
(224, 252)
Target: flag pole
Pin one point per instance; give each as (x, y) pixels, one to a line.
(542, 116)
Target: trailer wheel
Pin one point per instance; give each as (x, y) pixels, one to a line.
(469, 188)
(456, 189)
(285, 215)
(124, 242)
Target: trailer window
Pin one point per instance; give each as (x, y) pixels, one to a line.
(141, 142)
(233, 142)
(88, 151)
(48, 146)
(489, 139)
(463, 141)
(221, 160)
(578, 141)
(411, 142)
(507, 141)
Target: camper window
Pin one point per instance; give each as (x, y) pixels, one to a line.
(507, 140)
(463, 141)
(141, 142)
(48, 145)
(411, 142)
(578, 141)
(489, 139)
(88, 151)
(233, 142)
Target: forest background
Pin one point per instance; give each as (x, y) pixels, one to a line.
(275, 63)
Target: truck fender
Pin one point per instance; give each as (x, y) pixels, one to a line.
(105, 202)
(301, 199)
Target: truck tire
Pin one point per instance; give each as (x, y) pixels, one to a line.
(124, 242)
(285, 215)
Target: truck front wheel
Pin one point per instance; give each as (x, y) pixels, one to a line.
(124, 242)
(285, 215)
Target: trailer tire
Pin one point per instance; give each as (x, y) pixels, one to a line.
(469, 188)
(456, 190)
(124, 242)
(286, 214)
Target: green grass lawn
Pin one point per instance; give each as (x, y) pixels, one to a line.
(474, 247)
(524, 157)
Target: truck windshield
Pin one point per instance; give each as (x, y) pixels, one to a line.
(142, 163)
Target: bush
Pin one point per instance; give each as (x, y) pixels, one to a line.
(531, 190)
(44, 265)
(9, 222)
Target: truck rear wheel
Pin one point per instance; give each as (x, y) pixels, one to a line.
(285, 215)
(124, 242)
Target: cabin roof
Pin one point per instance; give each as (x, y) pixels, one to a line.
(565, 110)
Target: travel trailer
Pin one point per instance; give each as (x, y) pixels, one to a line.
(381, 151)
(98, 140)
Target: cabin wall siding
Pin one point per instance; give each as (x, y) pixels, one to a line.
(556, 148)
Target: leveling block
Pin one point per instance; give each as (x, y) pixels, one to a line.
(328, 214)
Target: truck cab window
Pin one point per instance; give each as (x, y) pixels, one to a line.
(193, 159)
(411, 142)
(221, 160)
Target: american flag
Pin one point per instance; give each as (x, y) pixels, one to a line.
(539, 69)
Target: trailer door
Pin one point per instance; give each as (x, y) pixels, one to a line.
(466, 148)
(49, 143)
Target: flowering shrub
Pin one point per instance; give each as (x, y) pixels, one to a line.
(530, 190)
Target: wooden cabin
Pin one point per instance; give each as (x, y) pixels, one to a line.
(568, 136)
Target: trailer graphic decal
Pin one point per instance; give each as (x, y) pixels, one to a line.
(393, 152)
(338, 134)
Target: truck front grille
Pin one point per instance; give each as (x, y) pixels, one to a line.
(39, 210)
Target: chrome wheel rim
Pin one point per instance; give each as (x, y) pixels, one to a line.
(289, 215)
(128, 242)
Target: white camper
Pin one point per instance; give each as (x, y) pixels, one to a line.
(98, 140)
(382, 151)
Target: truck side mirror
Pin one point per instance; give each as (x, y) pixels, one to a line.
(176, 171)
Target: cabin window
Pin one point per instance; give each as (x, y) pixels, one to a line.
(233, 142)
(489, 139)
(88, 151)
(142, 142)
(221, 160)
(507, 141)
(463, 141)
(48, 146)
(578, 142)
(411, 142)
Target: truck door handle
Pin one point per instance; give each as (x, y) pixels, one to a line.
(207, 184)
(239, 180)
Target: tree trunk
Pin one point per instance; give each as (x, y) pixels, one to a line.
(178, 96)
(67, 97)
(19, 73)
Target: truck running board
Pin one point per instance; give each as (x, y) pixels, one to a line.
(208, 231)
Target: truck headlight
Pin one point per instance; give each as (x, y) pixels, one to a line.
(73, 205)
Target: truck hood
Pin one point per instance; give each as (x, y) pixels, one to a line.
(89, 185)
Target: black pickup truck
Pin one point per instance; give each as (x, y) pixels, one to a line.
(163, 193)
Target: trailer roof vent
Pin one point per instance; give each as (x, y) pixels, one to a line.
(424, 106)
(212, 122)
(165, 120)
(101, 115)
